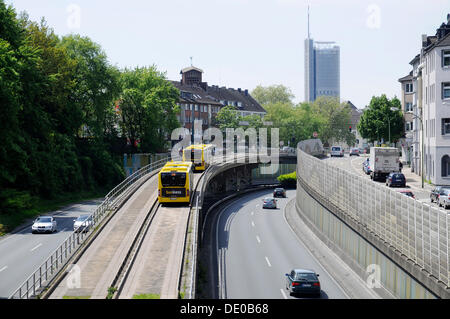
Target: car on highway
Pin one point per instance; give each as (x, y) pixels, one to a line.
(354, 151)
(270, 203)
(44, 224)
(444, 198)
(279, 192)
(396, 179)
(303, 281)
(436, 192)
(82, 223)
(366, 167)
(408, 193)
(337, 151)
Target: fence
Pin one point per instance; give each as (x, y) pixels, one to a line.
(417, 230)
(59, 258)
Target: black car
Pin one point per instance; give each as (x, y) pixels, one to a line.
(301, 281)
(434, 196)
(279, 192)
(396, 179)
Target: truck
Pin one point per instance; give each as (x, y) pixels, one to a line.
(383, 160)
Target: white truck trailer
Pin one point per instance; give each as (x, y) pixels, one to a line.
(383, 160)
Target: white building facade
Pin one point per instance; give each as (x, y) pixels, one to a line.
(431, 107)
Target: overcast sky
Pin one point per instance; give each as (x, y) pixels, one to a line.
(244, 43)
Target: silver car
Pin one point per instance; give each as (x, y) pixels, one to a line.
(270, 203)
(44, 224)
(444, 198)
(82, 223)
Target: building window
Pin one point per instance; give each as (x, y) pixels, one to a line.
(408, 107)
(446, 58)
(445, 126)
(445, 166)
(446, 90)
(408, 88)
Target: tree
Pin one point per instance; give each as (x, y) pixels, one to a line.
(228, 117)
(96, 84)
(272, 94)
(334, 118)
(381, 117)
(148, 108)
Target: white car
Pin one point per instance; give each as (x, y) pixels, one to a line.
(82, 223)
(44, 224)
(337, 151)
(270, 203)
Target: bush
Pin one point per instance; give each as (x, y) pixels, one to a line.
(288, 180)
(12, 201)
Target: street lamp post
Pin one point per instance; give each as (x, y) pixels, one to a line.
(422, 147)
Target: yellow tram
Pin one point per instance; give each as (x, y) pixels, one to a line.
(200, 155)
(176, 182)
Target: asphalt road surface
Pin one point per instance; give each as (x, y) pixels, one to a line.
(23, 252)
(256, 248)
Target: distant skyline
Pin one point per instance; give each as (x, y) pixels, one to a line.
(245, 43)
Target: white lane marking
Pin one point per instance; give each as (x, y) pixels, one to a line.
(253, 224)
(36, 247)
(3, 268)
(268, 262)
(258, 239)
(283, 293)
(253, 213)
(64, 230)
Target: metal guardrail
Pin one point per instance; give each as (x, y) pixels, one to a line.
(415, 229)
(38, 280)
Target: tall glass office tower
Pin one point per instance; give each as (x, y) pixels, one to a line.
(322, 69)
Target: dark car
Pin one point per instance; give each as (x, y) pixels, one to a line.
(302, 281)
(408, 193)
(434, 196)
(279, 192)
(396, 179)
(354, 151)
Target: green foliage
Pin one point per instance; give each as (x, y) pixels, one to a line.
(228, 117)
(272, 94)
(288, 180)
(111, 292)
(61, 133)
(326, 116)
(378, 119)
(148, 108)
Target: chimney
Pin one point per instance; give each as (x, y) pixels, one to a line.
(448, 19)
(424, 40)
(246, 92)
(239, 90)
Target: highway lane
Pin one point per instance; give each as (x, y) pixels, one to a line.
(256, 248)
(22, 253)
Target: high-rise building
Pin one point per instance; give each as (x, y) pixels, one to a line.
(322, 69)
